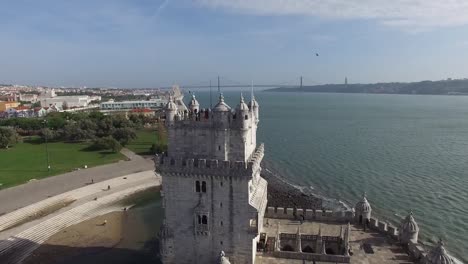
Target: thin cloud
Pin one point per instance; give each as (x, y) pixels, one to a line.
(406, 14)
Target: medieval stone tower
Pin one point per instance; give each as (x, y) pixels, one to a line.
(213, 195)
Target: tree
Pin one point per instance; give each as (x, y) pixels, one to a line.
(36, 104)
(72, 132)
(124, 135)
(65, 105)
(47, 134)
(8, 137)
(106, 143)
(105, 127)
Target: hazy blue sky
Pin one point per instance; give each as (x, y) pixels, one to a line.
(150, 43)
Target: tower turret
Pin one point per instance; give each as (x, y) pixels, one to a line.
(194, 106)
(438, 255)
(171, 110)
(363, 210)
(409, 230)
(221, 113)
(254, 107)
(242, 112)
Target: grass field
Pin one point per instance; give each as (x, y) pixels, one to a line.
(28, 160)
(142, 144)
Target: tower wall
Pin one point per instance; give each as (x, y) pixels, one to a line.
(234, 202)
(210, 140)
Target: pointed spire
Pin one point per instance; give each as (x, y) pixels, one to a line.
(241, 97)
(252, 96)
(221, 98)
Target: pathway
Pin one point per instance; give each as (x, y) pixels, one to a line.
(28, 193)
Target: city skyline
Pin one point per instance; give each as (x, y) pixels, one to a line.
(158, 43)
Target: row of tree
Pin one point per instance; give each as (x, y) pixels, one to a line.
(104, 131)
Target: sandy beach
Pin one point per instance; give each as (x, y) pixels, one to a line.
(127, 237)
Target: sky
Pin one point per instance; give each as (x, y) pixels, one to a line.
(154, 43)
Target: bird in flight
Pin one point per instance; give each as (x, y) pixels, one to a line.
(316, 54)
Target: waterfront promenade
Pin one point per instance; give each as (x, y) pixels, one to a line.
(21, 234)
(20, 196)
(32, 212)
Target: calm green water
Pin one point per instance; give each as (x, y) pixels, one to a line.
(406, 152)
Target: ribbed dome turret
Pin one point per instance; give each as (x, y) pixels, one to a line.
(221, 106)
(363, 206)
(409, 230)
(253, 103)
(438, 255)
(409, 224)
(242, 106)
(171, 105)
(194, 105)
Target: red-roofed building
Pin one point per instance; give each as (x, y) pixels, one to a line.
(143, 111)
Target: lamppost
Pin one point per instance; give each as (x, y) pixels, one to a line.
(46, 145)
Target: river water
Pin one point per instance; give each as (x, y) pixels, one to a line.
(406, 152)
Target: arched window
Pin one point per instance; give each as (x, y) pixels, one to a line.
(203, 187)
(219, 147)
(199, 219)
(197, 186)
(308, 249)
(204, 220)
(246, 117)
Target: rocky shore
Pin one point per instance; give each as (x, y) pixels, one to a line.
(283, 194)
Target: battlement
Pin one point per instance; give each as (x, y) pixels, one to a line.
(210, 166)
(205, 119)
(309, 214)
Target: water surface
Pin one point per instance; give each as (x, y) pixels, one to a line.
(406, 152)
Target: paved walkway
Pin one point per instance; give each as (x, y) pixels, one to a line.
(385, 249)
(18, 242)
(17, 197)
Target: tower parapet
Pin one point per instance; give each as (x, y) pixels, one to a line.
(220, 133)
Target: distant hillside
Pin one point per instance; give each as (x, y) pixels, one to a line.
(455, 87)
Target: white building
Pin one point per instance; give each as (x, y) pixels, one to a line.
(49, 98)
(127, 105)
(213, 195)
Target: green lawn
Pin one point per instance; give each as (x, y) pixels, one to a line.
(27, 160)
(142, 144)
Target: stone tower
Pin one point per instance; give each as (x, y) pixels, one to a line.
(213, 195)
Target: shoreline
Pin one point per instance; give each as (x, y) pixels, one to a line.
(123, 238)
(283, 193)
